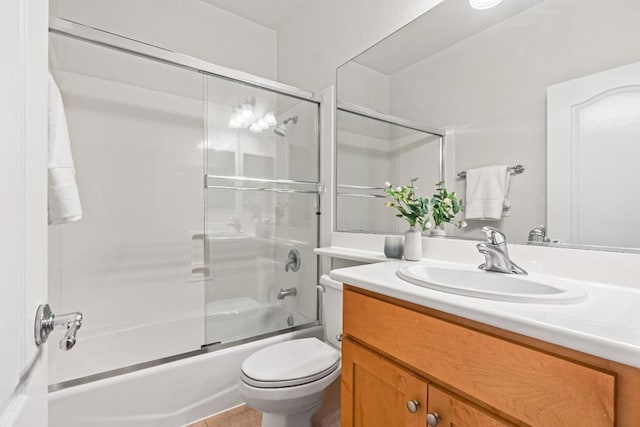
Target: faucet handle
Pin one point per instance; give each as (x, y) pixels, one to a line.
(494, 236)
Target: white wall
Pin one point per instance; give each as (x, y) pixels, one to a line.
(364, 86)
(327, 33)
(491, 89)
(192, 27)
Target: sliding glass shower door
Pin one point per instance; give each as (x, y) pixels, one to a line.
(200, 204)
(262, 207)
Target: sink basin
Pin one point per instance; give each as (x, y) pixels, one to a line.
(478, 283)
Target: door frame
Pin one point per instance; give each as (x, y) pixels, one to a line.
(23, 211)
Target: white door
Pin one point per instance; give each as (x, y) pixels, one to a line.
(593, 152)
(23, 209)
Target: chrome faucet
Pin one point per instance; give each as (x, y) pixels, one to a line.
(496, 253)
(538, 235)
(235, 223)
(283, 293)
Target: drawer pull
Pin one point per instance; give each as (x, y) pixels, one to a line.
(433, 419)
(413, 406)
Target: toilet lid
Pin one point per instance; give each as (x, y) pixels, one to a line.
(290, 363)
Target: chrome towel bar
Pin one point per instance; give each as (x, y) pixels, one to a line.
(517, 169)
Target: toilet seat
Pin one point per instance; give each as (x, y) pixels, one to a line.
(291, 363)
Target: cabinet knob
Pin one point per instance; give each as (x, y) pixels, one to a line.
(413, 406)
(433, 419)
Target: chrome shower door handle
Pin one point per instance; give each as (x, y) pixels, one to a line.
(46, 322)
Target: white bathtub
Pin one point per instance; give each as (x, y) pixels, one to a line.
(169, 395)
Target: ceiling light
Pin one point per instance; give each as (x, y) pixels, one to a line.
(484, 4)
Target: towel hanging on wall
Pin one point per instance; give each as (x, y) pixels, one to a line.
(487, 191)
(63, 197)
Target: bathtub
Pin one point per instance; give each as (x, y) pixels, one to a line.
(172, 394)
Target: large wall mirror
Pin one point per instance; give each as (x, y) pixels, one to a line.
(552, 85)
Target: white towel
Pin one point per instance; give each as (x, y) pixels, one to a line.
(487, 189)
(64, 200)
(506, 207)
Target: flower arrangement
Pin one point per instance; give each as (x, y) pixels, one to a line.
(410, 207)
(445, 205)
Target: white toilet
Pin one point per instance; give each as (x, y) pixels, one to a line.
(285, 381)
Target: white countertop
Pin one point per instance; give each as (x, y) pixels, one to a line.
(605, 324)
(350, 254)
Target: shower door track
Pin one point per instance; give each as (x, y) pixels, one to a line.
(103, 38)
(205, 349)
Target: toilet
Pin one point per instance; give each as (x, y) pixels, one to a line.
(285, 381)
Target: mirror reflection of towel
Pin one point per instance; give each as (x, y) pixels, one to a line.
(487, 190)
(64, 199)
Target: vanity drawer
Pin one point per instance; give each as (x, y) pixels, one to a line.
(531, 386)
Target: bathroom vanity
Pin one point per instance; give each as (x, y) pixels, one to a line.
(410, 360)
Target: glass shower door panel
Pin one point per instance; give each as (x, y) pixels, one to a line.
(130, 264)
(247, 270)
(261, 204)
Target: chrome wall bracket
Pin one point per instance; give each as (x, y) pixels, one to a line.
(46, 322)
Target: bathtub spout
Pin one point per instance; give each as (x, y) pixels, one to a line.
(283, 293)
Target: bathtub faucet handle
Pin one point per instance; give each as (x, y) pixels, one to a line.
(293, 261)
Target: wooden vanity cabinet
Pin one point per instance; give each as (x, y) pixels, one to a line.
(383, 394)
(399, 357)
(378, 390)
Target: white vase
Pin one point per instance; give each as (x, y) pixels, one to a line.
(438, 231)
(412, 244)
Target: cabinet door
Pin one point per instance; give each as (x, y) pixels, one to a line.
(378, 393)
(455, 412)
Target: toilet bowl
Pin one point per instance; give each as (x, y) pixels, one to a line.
(285, 381)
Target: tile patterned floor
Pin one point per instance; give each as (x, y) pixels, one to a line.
(242, 416)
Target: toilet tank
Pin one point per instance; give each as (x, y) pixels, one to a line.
(332, 309)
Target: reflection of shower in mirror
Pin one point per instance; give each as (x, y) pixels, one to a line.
(281, 129)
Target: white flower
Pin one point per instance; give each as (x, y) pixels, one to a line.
(463, 224)
(447, 201)
(428, 224)
(398, 189)
(387, 184)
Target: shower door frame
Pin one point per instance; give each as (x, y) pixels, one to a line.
(134, 47)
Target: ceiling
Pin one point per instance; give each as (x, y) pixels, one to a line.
(272, 13)
(443, 26)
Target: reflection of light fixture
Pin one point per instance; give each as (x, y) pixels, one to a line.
(235, 122)
(484, 4)
(270, 119)
(244, 117)
(255, 127)
(247, 112)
